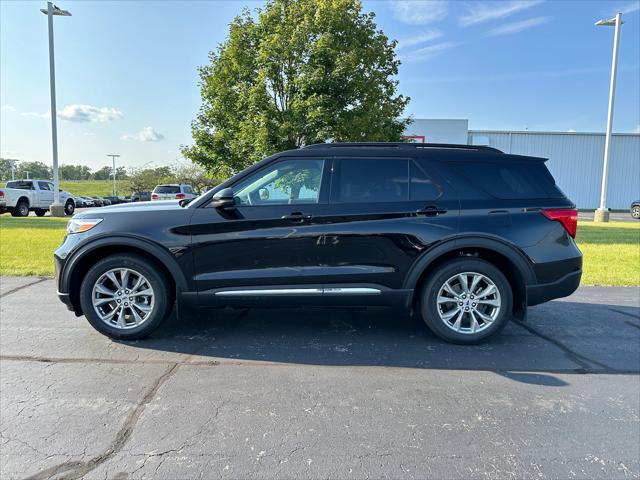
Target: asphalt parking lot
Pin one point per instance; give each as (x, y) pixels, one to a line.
(320, 394)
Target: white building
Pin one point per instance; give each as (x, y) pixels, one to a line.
(575, 159)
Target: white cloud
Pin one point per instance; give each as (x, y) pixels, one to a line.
(571, 130)
(418, 39)
(480, 12)
(8, 108)
(637, 128)
(428, 52)
(516, 27)
(628, 8)
(147, 134)
(89, 113)
(418, 12)
(36, 114)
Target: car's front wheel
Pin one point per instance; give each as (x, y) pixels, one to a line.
(125, 296)
(466, 300)
(635, 212)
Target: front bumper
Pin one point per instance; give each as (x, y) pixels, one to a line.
(543, 292)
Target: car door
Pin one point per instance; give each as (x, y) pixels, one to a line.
(267, 238)
(383, 212)
(45, 194)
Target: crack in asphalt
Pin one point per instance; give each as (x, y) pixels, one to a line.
(637, 317)
(21, 287)
(76, 469)
(585, 362)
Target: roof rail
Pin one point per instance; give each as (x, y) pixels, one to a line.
(406, 145)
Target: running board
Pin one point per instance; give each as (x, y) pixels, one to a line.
(298, 291)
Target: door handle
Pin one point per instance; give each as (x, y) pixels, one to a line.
(297, 217)
(430, 211)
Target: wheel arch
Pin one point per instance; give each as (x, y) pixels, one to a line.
(25, 199)
(79, 264)
(505, 256)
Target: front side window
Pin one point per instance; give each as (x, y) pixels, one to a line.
(282, 183)
(370, 180)
(44, 186)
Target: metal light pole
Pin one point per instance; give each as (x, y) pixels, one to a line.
(602, 213)
(113, 171)
(57, 210)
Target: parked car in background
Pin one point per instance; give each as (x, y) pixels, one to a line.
(98, 201)
(106, 201)
(89, 202)
(19, 197)
(464, 236)
(80, 202)
(635, 209)
(141, 197)
(173, 191)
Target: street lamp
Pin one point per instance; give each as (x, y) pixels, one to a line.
(602, 214)
(57, 210)
(113, 171)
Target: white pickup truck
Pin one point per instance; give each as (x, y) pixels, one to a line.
(21, 196)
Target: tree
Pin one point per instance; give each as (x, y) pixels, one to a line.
(34, 169)
(195, 175)
(74, 172)
(7, 165)
(303, 72)
(102, 174)
(145, 179)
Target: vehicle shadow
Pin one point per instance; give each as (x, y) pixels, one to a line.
(559, 337)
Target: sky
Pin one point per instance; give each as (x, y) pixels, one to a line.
(127, 81)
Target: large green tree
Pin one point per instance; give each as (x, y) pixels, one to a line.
(299, 72)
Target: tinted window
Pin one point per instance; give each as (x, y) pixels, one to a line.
(20, 185)
(423, 186)
(44, 186)
(167, 189)
(282, 183)
(372, 180)
(514, 180)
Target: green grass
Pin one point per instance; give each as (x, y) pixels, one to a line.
(94, 188)
(611, 251)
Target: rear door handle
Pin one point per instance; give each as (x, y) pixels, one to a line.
(297, 217)
(430, 211)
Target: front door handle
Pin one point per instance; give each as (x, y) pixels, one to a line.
(430, 211)
(297, 217)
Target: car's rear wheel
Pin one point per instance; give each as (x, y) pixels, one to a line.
(21, 209)
(635, 212)
(69, 207)
(125, 296)
(466, 300)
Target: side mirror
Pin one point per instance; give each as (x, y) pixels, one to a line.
(224, 198)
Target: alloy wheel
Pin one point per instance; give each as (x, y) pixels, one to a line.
(123, 298)
(468, 302)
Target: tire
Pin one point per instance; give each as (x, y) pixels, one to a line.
(441, 315)
(21, 209)
(69, 207)
(127, 326)
(635, 212)
(40, 212)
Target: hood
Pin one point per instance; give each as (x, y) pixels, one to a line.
(141, 207)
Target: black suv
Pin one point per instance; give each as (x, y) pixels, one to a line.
(464, 236)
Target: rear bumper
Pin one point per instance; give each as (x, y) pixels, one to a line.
(543, 292)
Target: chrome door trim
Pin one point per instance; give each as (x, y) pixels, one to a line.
(299, 291)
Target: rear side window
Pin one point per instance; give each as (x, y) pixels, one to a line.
(372, 180)
(20, 185)
(167, 189)
(510, 180)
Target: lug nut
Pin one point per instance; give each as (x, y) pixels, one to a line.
(126, 304)
(127, 291)
(460, 304)
(464, 296)
(473, 304)
(466, 309)
(119, 300)
(472, 297)
(131, 299)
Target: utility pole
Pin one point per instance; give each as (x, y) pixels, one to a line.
(602, 213)
(57, 210)
(113, 171)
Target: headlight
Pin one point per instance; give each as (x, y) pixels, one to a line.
(79, 225)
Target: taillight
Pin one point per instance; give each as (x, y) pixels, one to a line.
(1, 193)
(568, 217)
(154, 196)
(180, 196)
